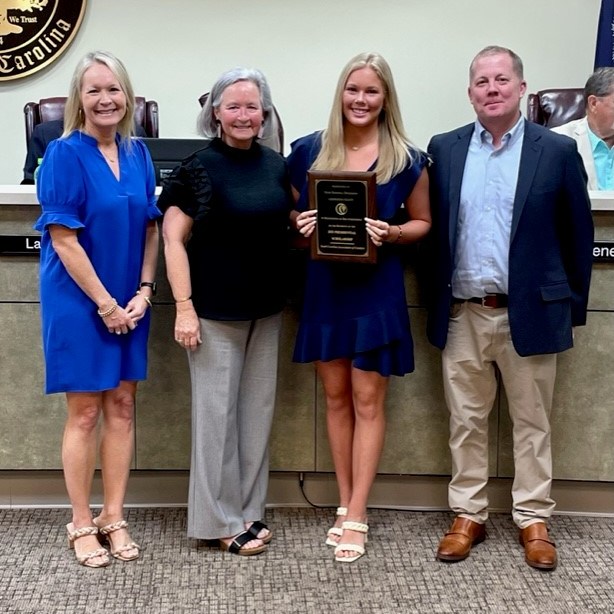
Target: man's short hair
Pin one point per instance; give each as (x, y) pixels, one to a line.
(600, 83)
(496, 50)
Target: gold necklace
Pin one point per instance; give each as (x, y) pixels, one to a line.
(111, 160)
(358, 147)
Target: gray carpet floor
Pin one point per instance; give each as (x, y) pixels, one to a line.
(399, 573)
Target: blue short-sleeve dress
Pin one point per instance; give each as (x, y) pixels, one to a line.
(77, 189)
(357, 311)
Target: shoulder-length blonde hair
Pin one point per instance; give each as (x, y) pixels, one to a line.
(395, 148)
(73, 112)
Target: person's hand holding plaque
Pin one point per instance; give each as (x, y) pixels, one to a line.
(382, 232)
(379, 231)
(306, 222)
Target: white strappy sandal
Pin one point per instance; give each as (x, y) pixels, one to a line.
(335, 531)
(128, 551)
(95, 558)
(359, 527)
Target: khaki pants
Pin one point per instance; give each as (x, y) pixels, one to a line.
(478, 339)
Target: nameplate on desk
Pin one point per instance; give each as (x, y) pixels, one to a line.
(603, 251)
(20, 245)
(601, 200)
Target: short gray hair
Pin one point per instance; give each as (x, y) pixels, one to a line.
(206, 122)
(600, 83)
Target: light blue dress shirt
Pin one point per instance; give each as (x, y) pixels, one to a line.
(481, 263)
(604, 161)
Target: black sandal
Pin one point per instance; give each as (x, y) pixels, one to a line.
(258, 526)
(236, 546)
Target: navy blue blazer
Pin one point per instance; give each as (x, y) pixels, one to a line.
(42, 135)
(551, 242)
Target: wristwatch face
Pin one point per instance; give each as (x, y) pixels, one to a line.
(150, 284)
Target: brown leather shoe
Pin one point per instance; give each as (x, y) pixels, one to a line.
(456, 543)
(539, 551)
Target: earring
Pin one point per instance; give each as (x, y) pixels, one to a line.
(261, 131)
(219, 129)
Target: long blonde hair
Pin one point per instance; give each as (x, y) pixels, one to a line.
(395, 148)
(73, 114)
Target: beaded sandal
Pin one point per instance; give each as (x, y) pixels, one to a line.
(118, 552)
(86, 559)
(335, 531)
(359, 527)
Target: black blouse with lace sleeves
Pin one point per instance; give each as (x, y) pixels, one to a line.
(189, 188)
(240, 201)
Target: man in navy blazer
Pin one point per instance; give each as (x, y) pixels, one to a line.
(42, 135)
(510, 269)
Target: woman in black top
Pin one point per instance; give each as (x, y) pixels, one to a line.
(225, 224)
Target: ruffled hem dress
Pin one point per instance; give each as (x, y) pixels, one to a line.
(357, 311)
(77, 189)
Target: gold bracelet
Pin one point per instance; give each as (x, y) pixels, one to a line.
(109, 311)
(145, 297)
(183, 300)
(400, 235)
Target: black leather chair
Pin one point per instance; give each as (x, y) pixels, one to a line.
(556, 106)
(48, 109)
(276, 139)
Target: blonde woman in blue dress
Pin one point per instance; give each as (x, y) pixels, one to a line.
(98, 259)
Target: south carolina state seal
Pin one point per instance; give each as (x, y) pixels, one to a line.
(34, 33)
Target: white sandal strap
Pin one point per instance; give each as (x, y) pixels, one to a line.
(111, 528)
(342, 511)
(84, 558)
(335, 531)
(82, 532)
(350, 548)
(351, 525)
(125, 548)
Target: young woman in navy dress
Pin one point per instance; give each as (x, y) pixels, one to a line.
(355, 325)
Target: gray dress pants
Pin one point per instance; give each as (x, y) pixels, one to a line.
(234, 378)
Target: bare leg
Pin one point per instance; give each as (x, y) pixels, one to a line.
(116, 451)
(336, 379)
(79, 461)
(369, 394)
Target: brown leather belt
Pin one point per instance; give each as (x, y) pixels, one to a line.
(492, 301)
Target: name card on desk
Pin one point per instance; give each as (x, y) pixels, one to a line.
(601, 200)
(20, 245)
(603, 251)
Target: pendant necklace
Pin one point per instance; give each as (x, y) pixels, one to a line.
(111, 160)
